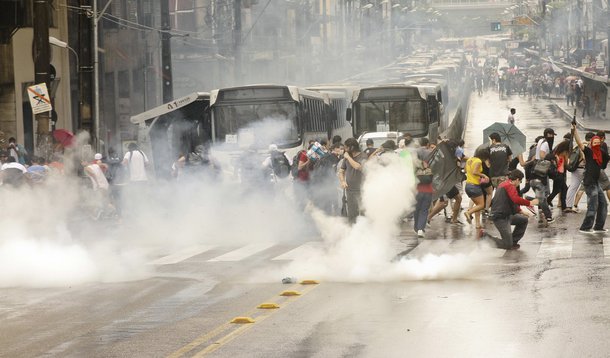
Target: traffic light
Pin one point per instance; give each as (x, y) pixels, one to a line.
(496, 26)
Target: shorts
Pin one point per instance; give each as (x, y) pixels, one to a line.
(450, 194)
(473, 191)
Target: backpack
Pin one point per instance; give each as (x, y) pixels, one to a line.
(294, 168)
(280, 165)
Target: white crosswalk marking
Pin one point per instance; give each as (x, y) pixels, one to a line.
(301, 251)
(181, 255)
(606, 246)
(556, 248)
(243, 252)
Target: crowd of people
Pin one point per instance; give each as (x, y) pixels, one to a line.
(538, 80)
(330, 173)
(504, 188)
(18, 169)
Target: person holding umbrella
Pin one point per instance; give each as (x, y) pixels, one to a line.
(499, 158)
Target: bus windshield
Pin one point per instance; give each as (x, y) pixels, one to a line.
(256, 125)
(382, 116)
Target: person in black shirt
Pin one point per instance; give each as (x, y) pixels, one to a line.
(370, 147)
(596, 161)
(499, 158)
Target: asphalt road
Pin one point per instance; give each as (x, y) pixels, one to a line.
(547, 299)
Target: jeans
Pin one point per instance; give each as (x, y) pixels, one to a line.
(542, 193)
(353, 198)
(597, 208)
(559, 187)
(503, 225)
(422, 207)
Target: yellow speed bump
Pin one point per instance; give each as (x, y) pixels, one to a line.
(290, 293)
(309, 282)
(242, 320)
(268, 306)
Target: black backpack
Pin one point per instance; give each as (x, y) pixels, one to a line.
(280, 165)
(294, 168)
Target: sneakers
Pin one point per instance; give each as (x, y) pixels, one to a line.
(515, 247)
(420, 233)
(582, 231)
(601, 231)
(550, 220)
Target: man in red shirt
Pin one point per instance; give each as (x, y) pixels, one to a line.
(506, 211)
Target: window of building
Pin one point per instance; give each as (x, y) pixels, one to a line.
(182, 13)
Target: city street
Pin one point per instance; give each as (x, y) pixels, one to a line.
(457, 298)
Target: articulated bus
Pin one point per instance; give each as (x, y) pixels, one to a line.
(396, 108)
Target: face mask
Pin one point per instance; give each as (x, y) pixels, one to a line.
(550, 142)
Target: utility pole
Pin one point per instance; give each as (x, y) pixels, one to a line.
(42, 66)
(166, 53)
(608, 43)
(237, 40)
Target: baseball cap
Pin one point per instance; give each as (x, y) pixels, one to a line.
(549, 131)
(97, 156)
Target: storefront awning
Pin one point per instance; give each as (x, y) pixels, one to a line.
(577, 71)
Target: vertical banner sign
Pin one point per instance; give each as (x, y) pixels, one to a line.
(39, 98)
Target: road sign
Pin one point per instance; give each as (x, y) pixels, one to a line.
(39, 98)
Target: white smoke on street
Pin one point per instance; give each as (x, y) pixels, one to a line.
(49, 237)
(365, 252)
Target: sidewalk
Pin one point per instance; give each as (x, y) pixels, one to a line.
(589, 123)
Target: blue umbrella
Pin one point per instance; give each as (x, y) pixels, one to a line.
(509, 134)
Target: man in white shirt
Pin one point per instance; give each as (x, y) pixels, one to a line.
(545, 145)
(136, 161)
(511, 116)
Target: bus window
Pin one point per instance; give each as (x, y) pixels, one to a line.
(264, 123)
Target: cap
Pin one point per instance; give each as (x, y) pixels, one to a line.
(97, 156)
(272, 147)
(549, 131)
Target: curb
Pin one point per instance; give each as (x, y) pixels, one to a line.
(568, 117)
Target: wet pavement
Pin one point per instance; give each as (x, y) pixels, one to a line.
(547, 299)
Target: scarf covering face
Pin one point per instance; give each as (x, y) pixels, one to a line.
(597, 150)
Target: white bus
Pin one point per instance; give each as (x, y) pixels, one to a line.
(392, 108)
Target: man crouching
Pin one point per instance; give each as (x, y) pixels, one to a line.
(506, 211)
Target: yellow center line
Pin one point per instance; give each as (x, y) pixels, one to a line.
(239, 331)
(215, 332)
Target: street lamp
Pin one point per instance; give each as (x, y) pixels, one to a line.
(56, 42)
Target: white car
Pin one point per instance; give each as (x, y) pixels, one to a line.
(378, 138)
